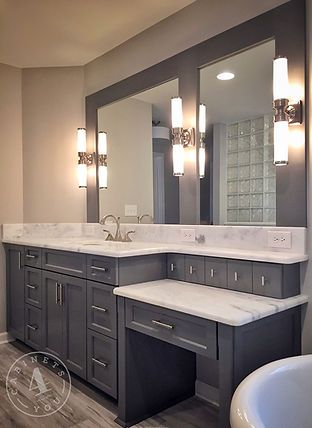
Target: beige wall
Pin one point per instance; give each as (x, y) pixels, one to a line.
(307, 270)
(128, 124)
(193, 24)
(53, 108)
(11, 166)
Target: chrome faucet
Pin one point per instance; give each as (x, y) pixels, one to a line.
(118, 236)
(140, 217)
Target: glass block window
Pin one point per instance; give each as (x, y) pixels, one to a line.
(251, 183)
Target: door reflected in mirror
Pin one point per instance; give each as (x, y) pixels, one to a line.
(140, 182)
(239, 186)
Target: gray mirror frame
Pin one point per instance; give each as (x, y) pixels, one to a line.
(285, 24)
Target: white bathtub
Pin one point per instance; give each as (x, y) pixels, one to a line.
(278, 395)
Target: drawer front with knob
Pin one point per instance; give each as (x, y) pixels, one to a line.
(102, 269)
(101, 308)
(192, 333)
(32, 257)
(176, 266)
(102, 362)
(195, 269)
(33, 287)
(33, 327)
(216, 272)
(240, 275)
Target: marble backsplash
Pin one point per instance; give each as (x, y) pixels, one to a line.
(241, 237)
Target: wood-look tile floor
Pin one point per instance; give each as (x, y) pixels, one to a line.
(81, 411)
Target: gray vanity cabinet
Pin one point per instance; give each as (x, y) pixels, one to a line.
(216, 272)
(15, 291)
(33, 286)
(33, 327)
(176, 267)
(195, 269)
(64, 319)
(240, 275)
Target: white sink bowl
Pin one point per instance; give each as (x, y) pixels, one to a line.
(278, 395)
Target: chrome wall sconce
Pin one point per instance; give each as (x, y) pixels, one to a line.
(202, 146)
(86, 159)
(284, 112)
(181, 137)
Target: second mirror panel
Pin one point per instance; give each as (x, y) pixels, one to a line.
(239, 184)
(139, 150)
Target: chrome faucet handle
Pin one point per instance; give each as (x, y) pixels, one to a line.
(127, 237)
(109, 236)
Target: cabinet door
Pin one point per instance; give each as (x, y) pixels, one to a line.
(195, 269)
(52, 313)
(240, 275)
(176, 266)
(73, 297)
(15, 291)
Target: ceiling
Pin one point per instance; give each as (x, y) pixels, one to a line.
(47, 33)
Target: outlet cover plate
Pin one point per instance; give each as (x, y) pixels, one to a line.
(188, 235)
(131, 210)
(279, 239)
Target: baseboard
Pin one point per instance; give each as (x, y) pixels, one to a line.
(5, 338)
(207, 393)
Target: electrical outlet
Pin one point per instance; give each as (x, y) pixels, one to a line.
(188, 235)
(131, 210)
(279, 239)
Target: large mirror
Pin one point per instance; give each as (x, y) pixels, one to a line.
(141, 186)
(239, 186)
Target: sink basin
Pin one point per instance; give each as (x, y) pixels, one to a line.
(277, 395)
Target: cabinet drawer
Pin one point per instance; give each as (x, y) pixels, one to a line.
(274, 280)
(195, 269)
(216, 272)
(192, 333)
(102, 362)
(240, 275)
(102, 269)
(32, 257)
(101, 311)
(176, 266)
(33, 327)
(33, 287)
(73, 264)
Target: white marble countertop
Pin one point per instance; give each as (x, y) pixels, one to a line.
(216, 304)
(127, 249)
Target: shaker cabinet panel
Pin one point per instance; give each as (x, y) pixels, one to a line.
(101, 308)
(195, 269)
(240, 275)
(176, 266)
(66, 262)
(216, 272)
(33, 286)
(15, 291)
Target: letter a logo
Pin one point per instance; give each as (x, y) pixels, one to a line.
(37, 382)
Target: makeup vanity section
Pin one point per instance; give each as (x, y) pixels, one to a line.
(132, 318)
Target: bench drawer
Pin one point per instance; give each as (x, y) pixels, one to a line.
(33, 286)
(192, 333)
(176, 267)
(102, 269)
(101, 308)
(240, 275)
(216, 272)
(102, 362)
(195, 269)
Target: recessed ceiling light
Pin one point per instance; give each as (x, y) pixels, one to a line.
(225, 76)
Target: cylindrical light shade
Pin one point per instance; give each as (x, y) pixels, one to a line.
(82, 175)
(81, 140)
(280, 78)
(281, 138)
(102, 143)
(161, 132)
(102, 176)
(178, 159)
(176, 112)
(202, 161)
(202, 118)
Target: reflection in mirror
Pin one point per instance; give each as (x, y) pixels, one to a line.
(140, 182)
(239, 183)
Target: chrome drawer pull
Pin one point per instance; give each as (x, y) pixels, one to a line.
(33, 287)
(99, 269)
(235, 276)
(262, 281)
(56, 293)
(19, 260)
(99, 362)
(98, 308)
(162, 324)
(61, 295)
(172, 267)
(30, 256)
(32, 327)
(192, 270)
(211, 273)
